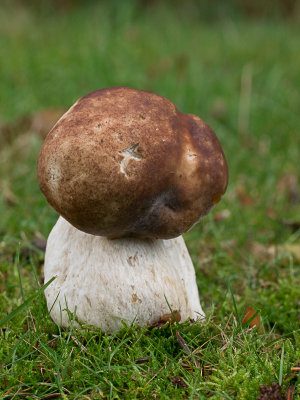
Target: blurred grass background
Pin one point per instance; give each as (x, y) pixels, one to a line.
(236, 65)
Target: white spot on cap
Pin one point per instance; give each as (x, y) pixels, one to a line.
(131, 153)
(191, 156)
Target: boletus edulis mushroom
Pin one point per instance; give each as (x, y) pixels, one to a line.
(129, 174)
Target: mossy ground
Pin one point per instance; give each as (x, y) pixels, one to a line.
(242, 77)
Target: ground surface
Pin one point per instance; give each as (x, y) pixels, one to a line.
(240, 76)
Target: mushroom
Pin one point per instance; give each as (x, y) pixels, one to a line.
(129, 174)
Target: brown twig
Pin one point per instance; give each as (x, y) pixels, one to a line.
(50, 395)
(142, 360)
(186, 348)
(35, 348)
(289, 394)
(155, 375)
(295, 369)
(83, 348)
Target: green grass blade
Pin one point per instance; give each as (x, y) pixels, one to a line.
(281, 365)
(234, 303)
(17, 310)
(17, 262)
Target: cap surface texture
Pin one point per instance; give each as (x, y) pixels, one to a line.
(127, 163)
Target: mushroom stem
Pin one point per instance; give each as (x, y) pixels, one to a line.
(110, 281)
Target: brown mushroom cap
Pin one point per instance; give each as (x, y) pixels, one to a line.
(124, 162)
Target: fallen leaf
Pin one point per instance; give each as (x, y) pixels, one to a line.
(255, 322)
(172, 317)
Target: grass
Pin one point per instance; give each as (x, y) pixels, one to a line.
(240, 76)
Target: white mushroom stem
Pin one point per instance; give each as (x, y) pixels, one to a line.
(110, 281)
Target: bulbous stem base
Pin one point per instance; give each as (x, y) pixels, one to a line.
(110, 281)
